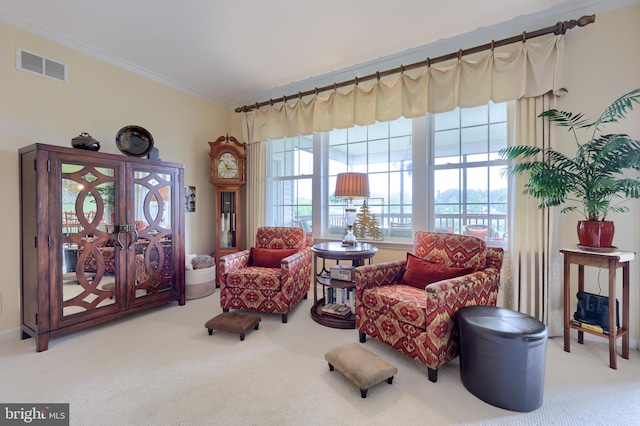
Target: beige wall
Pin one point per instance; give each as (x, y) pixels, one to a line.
(99, 99)
(603, 63)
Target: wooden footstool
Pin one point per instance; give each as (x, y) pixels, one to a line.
(235, 323)
(362, 367)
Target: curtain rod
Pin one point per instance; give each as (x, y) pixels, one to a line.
(559, 28)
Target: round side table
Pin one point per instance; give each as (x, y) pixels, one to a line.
(357, 254)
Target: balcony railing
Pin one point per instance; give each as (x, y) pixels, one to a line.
(456, 223)
(399, 225)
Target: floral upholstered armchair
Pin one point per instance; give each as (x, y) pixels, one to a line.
(411, 304)
(271, 277)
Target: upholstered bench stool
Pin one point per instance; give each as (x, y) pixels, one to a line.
(362, 367)
(233, 322)
(109, 287)
(502, 356)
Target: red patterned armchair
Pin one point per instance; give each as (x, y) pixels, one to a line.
(272, 277)
(411, 304)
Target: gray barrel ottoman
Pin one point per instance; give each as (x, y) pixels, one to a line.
(502, 356)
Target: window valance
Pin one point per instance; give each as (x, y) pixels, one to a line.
(528, 70)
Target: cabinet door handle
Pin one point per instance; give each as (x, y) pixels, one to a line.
(121, 230)
(125, 229)
(132, 228)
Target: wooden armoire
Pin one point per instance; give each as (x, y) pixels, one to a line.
(102, 236)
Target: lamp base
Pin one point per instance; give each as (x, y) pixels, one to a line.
(350, 239)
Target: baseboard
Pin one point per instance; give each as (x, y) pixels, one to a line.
(7, 335)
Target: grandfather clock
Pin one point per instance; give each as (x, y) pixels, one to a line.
(227, 175)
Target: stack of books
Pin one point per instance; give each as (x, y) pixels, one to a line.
(335, 310)
(342, 296)
(588, 326)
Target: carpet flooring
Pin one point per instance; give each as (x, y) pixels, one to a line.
(161, 367)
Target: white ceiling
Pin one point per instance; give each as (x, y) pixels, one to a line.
(240, 52)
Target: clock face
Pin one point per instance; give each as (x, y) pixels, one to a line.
(228, 166)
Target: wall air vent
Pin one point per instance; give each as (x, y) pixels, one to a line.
(37, 64)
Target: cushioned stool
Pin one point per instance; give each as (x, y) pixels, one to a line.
(235, 323)
(362, 367)
(502, 356)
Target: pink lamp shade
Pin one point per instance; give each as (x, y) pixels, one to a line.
(352, 185)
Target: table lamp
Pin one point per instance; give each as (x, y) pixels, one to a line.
(350, 186)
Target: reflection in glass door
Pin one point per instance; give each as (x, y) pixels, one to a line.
(88, 254)
(153, 222)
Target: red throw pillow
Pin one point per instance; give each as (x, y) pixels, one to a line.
(269, 258)
(419, 273)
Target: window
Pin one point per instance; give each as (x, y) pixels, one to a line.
(470, 191)
(454, 156)
(289, 173)
(383, 151)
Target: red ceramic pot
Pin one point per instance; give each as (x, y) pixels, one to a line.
(595, 233)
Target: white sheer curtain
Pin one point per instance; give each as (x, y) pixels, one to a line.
(525, 70)
(532, 271)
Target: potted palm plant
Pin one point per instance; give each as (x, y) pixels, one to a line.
(595, 181)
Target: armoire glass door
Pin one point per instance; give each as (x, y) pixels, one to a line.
(87, 245)
(154, 245)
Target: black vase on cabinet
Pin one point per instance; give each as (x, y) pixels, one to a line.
(85, 141)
